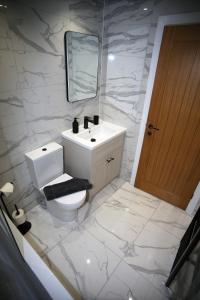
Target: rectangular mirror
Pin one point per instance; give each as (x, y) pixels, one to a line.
(82, 55)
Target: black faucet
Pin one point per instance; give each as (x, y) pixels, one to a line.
(95, 121)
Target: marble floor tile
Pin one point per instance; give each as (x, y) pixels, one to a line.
(114, 185)
(121, 246)
(85, 262)
(135, 202)
(88, 208)
(127, 284)
(46, 230)
(154, 253)
(117, 224)
(145, 197)
(172, 219)
(108, 190)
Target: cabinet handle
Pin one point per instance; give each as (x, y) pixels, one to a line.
(110, 159)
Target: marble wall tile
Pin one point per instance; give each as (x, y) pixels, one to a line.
(126, 33)
(124, 84)
(12, 108)
(4, 160)
(122, 12)
(33, 105)
(8, 70)
(128, 41)
(162, 7)
(57, 8)
(37, 44)
(80, 11)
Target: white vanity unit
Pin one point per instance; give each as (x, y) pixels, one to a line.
(94, 153)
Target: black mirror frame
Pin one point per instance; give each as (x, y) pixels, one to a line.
(66, 66)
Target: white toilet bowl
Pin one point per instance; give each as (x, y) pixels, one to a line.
(46, 168)
(65, 208)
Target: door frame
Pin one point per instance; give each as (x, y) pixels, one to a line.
(178, 19)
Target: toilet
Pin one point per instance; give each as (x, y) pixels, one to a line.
(46, 168)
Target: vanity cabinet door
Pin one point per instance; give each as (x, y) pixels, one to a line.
(105, 166)
(113, 162)
(98, 176)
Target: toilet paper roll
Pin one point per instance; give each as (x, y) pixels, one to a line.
(7, 189)
(19, 219)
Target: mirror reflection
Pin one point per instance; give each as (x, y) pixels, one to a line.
(82, 53)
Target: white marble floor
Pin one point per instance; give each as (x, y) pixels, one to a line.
(122, 245)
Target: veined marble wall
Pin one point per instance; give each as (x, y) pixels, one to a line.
(129, 30)
(33, 105)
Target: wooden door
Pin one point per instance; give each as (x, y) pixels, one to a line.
(169, 166)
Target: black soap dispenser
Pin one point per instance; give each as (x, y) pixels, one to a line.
(75, 126)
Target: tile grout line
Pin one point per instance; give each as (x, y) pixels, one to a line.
(43, 253)
(157, 224)
(149, 220)
(146, 223)
(155, 209)
(140, 274)
(43, 256)
(103, 242)
(109, 196)
(79, 226)
(109, 277)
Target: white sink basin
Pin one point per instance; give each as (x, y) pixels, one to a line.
(102, 133)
